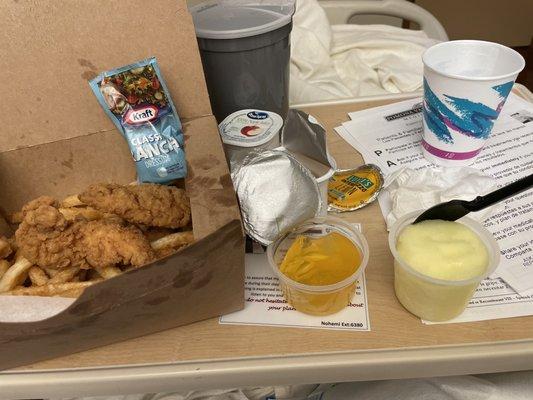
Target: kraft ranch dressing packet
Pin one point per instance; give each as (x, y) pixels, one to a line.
(136, 99)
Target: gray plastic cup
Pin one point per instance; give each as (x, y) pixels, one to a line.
(245, 51)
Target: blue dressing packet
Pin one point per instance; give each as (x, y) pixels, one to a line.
(137, 100)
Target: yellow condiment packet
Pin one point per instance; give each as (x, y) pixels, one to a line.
(351, 189)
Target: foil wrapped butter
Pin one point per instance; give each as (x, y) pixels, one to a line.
(276, 192)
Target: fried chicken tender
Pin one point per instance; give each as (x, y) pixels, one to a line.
(146, 204)
(108, 243)
(48, 240)
(45, 238)
(17, 217)
(39, 201)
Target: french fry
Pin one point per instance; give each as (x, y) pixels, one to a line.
(51, 272)
(68, 289)
(71, 201)
(70, 210)
(15, 275)
(4, 266)
(65, 275)
(155, 233)
(173, 240)
(108, 272)
(37, 276)
(88, 213)
(5, 247)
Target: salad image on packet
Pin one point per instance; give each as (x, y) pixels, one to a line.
(136, 99)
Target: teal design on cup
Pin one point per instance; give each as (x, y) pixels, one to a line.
(462, 115)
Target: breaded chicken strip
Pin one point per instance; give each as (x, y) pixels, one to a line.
(108, 243)
(17, 217)
(147, 204)
(47, 239)
(39, 201)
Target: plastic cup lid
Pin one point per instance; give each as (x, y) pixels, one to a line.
(233, 19)
(250, 127)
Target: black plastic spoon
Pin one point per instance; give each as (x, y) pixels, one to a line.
(455, 209)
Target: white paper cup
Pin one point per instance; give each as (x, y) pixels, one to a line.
(466, 83)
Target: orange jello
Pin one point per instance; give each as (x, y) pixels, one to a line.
(318, 265)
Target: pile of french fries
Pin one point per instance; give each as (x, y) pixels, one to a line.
(18, 276)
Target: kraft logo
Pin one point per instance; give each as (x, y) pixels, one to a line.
(257, 115)
(141, 115)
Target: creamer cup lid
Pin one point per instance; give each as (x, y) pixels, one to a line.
(234, 19)
(250, 127)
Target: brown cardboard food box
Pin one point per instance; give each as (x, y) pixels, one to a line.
(55, 139)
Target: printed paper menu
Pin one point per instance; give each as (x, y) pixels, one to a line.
(265, 304)
(389, 136)
(494, 299)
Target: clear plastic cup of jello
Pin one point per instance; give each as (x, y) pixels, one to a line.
(318, 264)
(439, 264)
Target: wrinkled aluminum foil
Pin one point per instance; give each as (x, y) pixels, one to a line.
(276, 192)
(302, 134)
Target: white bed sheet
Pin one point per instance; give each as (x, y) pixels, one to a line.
(347, 61)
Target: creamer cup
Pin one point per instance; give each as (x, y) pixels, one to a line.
(466, 83)
(249, 130)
